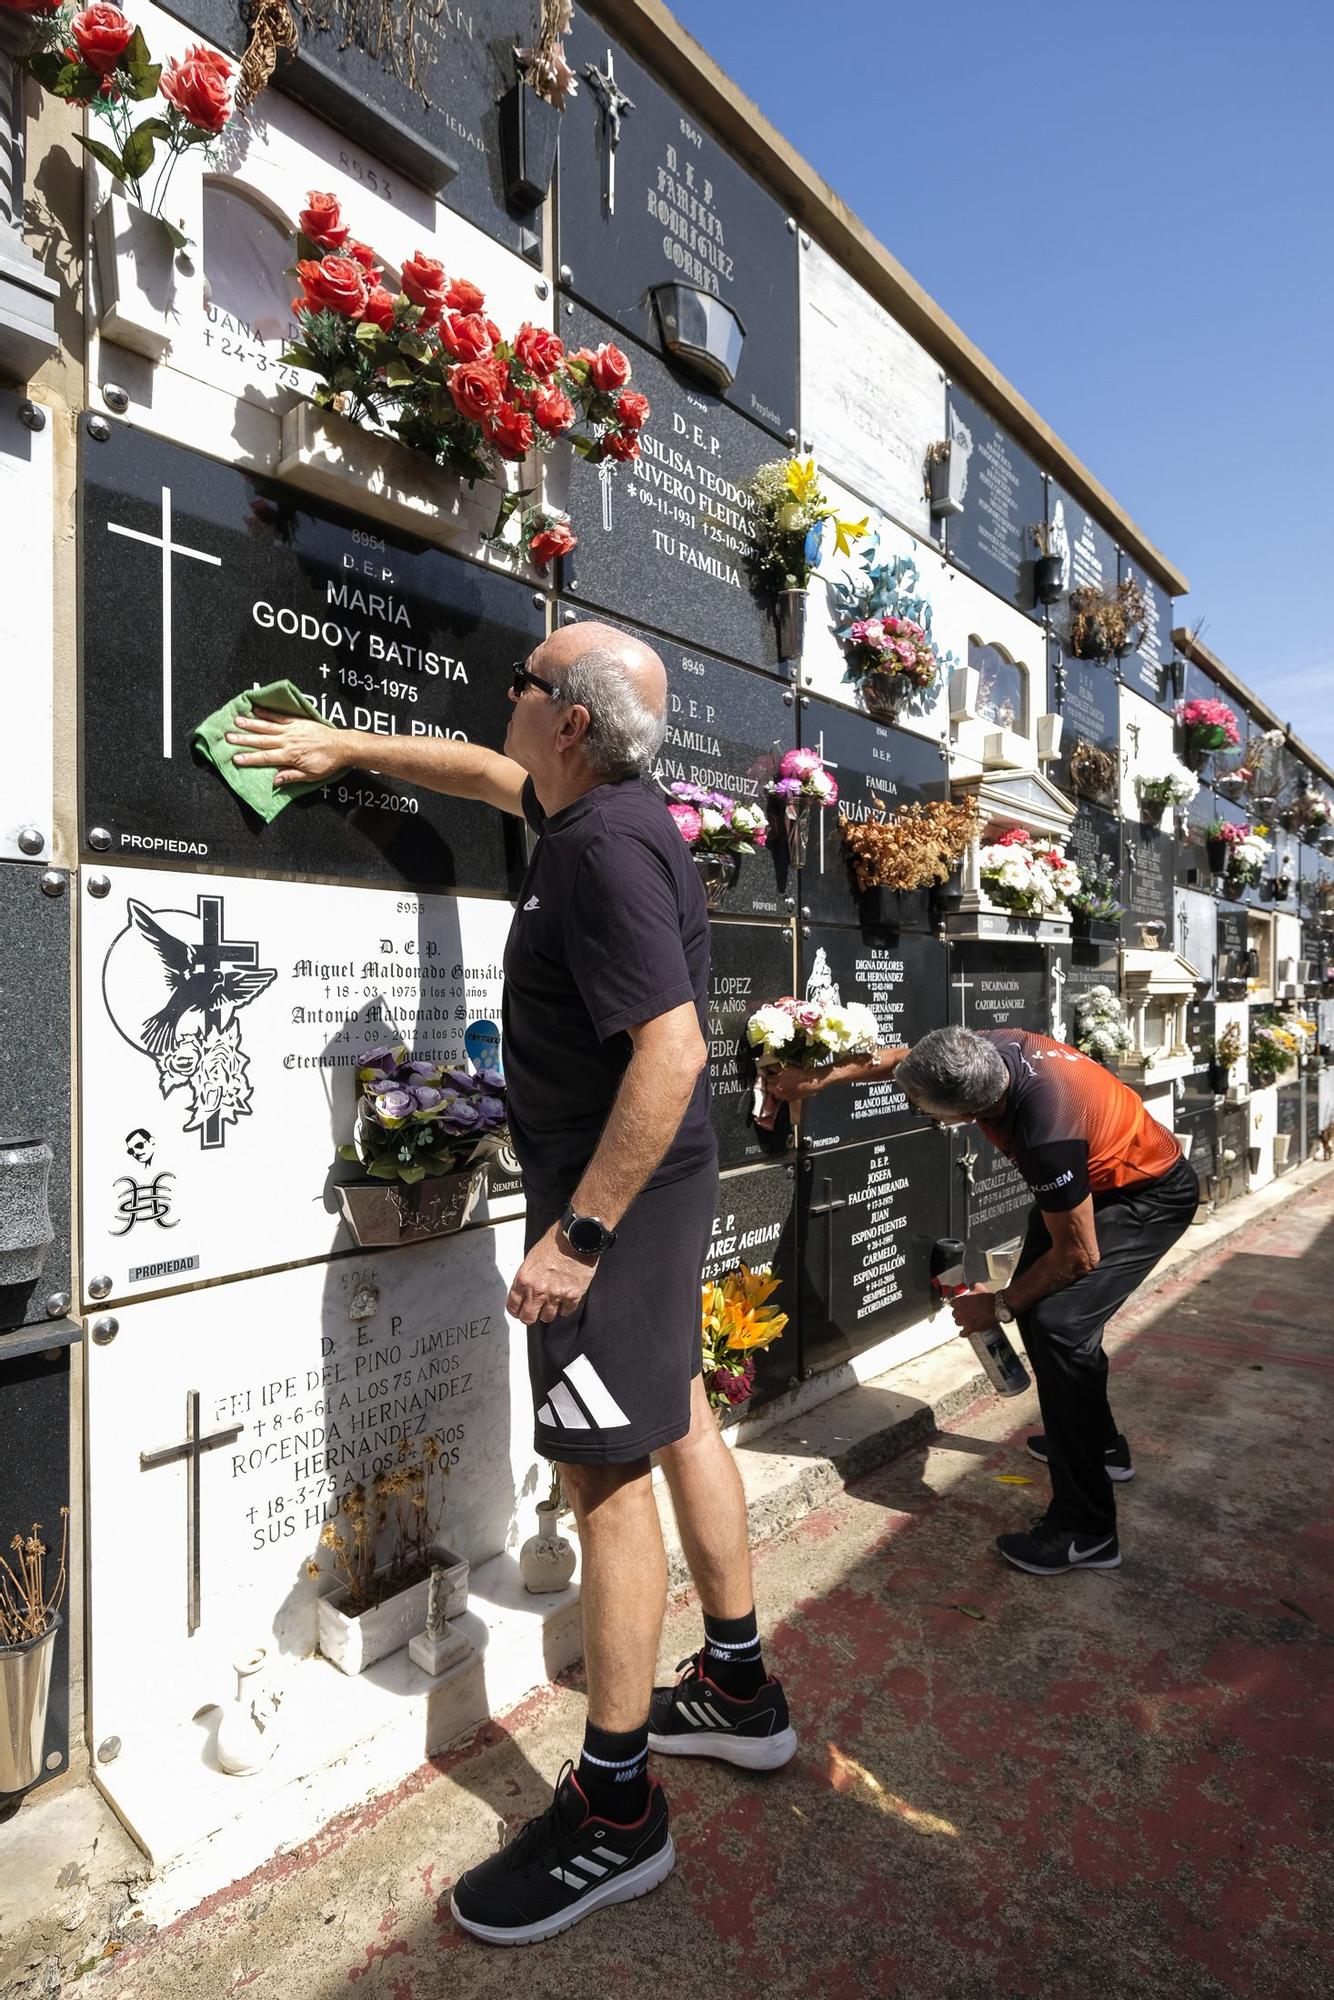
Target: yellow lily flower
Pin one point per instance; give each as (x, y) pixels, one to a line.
(802, 480)
(847, 532)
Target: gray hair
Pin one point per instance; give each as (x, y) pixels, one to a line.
(624, 734)
(953, 1073)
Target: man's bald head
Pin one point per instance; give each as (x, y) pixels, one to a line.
(622, 684)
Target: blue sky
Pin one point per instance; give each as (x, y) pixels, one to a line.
(1129, 210)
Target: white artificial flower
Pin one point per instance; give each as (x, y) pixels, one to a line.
(711, 820)
(769, 1027)
(820, 784)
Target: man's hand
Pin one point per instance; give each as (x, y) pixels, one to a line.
(974, 1311)
(551, 1281)
(791, 1085)
(295, 748)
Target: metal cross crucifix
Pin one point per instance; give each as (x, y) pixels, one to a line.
(614, 104)
(192, 1448)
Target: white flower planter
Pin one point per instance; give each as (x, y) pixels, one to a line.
(965, 690)
(1049, 737)
(330, 456)
(353, 1644)
(146, 287)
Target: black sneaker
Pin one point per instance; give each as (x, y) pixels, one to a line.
(564, 1864)
(696, 1719)
(1116, 1457)
(1050, 1551)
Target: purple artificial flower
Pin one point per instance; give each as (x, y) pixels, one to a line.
(461, 1116)
(492, 1079)
(418, 1072)
(392, 1107)
(786, 788)
(427, 1099)
(463, 1081)
(381, 1062)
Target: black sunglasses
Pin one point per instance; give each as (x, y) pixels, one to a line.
(522, 676)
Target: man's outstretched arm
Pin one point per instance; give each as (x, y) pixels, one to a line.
(296, 750)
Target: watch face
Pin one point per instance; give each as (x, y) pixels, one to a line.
(585, 1234)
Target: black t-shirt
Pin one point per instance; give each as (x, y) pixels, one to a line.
(1070, 1126)
(611, 930)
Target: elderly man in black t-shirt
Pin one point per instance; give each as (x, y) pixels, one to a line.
(605, 1053)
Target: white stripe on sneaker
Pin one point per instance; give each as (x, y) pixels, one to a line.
(610, 1854)
(590, 1867)
(594, 1394)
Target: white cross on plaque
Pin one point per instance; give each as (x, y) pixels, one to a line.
(829, 765)
(169, 549)
(606, 477)
(961, 986)
(1058, 977)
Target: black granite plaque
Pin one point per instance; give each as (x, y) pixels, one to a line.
(997, 983)
(868, 1217)
(1003, 500)
(1232, 951)
(1147, 866)
(1233, 1144)
(751, 964)
(667, 536)
(384, 635)
(1084, 963)
(1087, 552)
(683, 211)
(1279, 889)
(1192, 869)
(756, 1225)
(1195, 1090)
(35, 1079)
(903, 980)
(1291, 1099)
(1094, 842)
(1086, 694)
(34, 1486)
(878, 770)
(990, 1199)
(1198, 1136)
(1145, 670)
(414, 88)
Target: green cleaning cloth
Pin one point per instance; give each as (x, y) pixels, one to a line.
(253, 783)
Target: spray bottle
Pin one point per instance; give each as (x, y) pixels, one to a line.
(1005, 1371)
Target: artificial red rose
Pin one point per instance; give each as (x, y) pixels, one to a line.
(538, 350)
(424, 283)
(333, 284)
(511, 431)
(633, 409)
(609, 369)
(361, 253)
(553, 410)
(475, 387)
(621, 444)
(465, 336)
(464, 297)
(379, 309)
(555, 540)
(102, 35)
(198, 87)
(321, 220)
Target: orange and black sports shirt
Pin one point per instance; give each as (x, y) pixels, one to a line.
(1070, 1126)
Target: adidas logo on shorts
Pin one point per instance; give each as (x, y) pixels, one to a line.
(581, 1401)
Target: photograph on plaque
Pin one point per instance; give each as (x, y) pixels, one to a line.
(415, 89)
(903, 983)
(1145, 670)
(1004, 499)
(224, 1020)
(1147, 865)
(227, 1430)
(872, 399)
(750, 964)
(868, 1218)
(200, 583)
(36, 1085)
(666, 234)
(26, 611)
(669, 533)
(756, 1226)
(878, 770)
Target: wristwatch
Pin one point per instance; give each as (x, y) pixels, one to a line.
(1004, 1311)
(585, 1234)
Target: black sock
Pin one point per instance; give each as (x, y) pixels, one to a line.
(613, 1772)
(732, 1655)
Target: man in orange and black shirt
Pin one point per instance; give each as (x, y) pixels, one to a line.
(1112, 1191)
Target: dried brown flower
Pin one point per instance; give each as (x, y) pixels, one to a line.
(1093, 772)
(912, 849)
(1102, 621)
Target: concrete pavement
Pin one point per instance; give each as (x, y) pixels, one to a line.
(1118, 1784)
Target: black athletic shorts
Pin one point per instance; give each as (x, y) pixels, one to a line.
(611, 1382)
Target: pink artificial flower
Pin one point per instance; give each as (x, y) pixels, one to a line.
(760, 837)
(800, 764)
(831, 796)
(1016, 837)
(688, 820)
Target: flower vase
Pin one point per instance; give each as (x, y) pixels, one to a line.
(1194, 757)
(1216, 854)
(1151, 811)
(25, 1219)
(791, 624)
(797, 823)
(882, 696)
(1047, 579)
(144, 281)
(546, 1560)
(25, 1690)
(384, 1212)
(529, 131)
(246, 1735)
(1081, 925)
(718, 873)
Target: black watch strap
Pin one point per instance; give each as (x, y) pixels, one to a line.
(586, 1234)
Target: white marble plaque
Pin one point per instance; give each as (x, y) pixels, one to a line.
(872, 400)
(996, 636)
(332, 1372)
(27, 527)
(1196, 932)
(823, 663)
(223, 1020)
(1147, 748)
